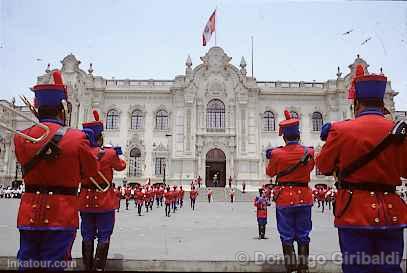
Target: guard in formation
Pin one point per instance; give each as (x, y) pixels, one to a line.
(193, 194)
(97, 198)
(52, 171)
(367, 155)
(292, 165)
(261, 203)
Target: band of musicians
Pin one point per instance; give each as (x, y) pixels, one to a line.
(367, 155)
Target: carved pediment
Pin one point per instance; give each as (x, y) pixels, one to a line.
(216, 60)
(70, 64)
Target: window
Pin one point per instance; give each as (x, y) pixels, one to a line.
(136, 120)
(112, 121)
(215, 115)
(294, 114)
(316, 121)
(161, 120)
(159, 166)
(269, 123)
(135, 163)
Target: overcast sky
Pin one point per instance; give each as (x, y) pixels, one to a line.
(151, 39)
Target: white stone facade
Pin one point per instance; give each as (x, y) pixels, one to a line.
(191, 134)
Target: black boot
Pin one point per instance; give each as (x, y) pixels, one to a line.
(303, 253)
(87, 255)
(101, 256)
(260, 232)
(263, 231)
(290, 259)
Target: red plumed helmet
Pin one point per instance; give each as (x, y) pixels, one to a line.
(359, 72)
(96, 115)
(287, 114)
(57, 77)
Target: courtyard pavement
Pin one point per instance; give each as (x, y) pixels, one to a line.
(213, 232)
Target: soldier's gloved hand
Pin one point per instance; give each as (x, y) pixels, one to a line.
(118, 150)
(100, 154)
(325, 131)
(90, 136)
(268, 153)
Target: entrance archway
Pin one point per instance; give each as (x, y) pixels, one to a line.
(215, 168)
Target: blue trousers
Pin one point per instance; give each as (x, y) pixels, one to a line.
(47, 249)
(371, 251)
(294, 224)
(97, 225)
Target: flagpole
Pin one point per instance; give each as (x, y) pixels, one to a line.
(216, 19)
(252, 57)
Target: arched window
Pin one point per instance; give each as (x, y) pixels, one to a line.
(317, 121)
(294, 114)
(215, 118)
(137, 119)
(161, 120)
(112, 120)
(269, 122)
(135, 163)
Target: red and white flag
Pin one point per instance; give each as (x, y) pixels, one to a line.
(209, 29)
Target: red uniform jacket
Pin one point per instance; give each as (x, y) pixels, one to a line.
(76, 161)
(160, 192)
(168, 197)
(181, 194)
(281, 159)
(193, 194)
(127, 193)
(347, 141)
(91, 200)
(139, 196)
(261, 204)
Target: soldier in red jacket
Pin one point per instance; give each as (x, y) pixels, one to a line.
(192, 195)
(369, 215)
(97, 200)
(48, 214)
(168, 200)
(292, 165)
(181, 196)
(139, 198)
(127, 196)
(174, 198)
(261, 203)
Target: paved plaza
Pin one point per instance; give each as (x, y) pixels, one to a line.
(213, 232)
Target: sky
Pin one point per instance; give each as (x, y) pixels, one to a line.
(134, 39)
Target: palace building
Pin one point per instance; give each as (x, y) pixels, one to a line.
(214, 119)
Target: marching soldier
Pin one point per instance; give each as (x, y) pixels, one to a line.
(368, 155)
(168, 198)
(174, 198)
(192, 195)
(181, 196)
(127, 195)
(139, 198)
(52, 170)
(161, 195)
(97, 200)
(292, 164)
(261, 203)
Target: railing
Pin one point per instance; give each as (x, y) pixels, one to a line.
(136, 83)
(285, 84)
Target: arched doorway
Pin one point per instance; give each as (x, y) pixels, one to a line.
(215, 168)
